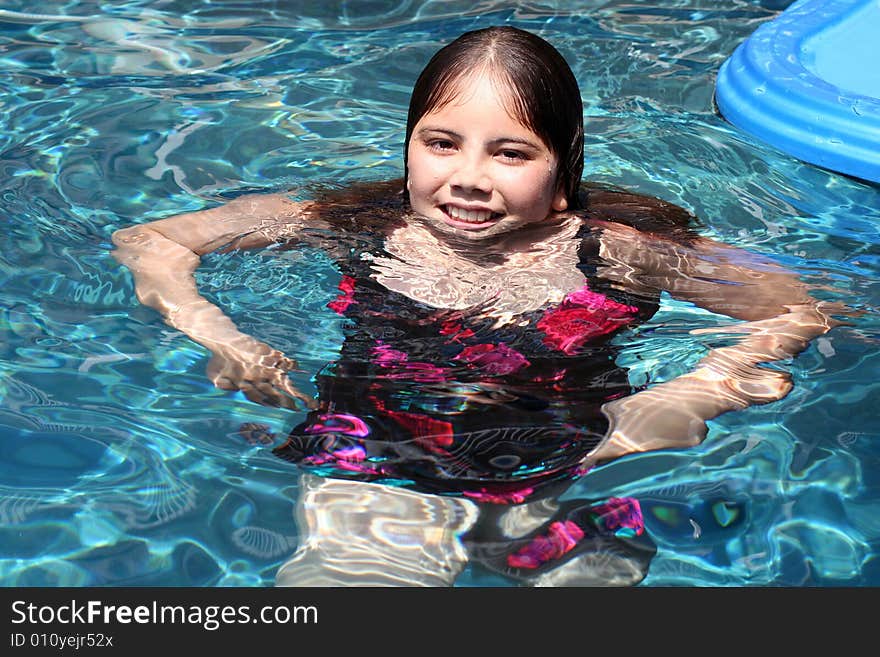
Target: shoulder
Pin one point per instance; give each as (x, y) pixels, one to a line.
(361, 205)
(648, 214)
(353, 210)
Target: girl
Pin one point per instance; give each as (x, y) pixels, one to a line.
(482, 293)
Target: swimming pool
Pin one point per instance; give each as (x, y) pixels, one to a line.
(121, 465)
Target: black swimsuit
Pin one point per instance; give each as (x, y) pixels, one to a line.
(442, 402)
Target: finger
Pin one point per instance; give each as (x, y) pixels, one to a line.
(251, 392)
(272, 394)
(286, 364)
(278, 398)
(296, 393)
(293, 399)
(260, 395)
(278, 361)
(283, 387)
(224, 383)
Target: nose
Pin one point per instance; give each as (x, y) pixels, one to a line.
(471, 176)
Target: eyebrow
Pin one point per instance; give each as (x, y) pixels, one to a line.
(497, 140)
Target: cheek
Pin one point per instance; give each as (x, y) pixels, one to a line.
(535, 188)
(419, 170)
(419, 184)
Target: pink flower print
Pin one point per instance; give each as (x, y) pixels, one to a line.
(388, 357)
(493, 359)
(346, 296)
(354, 454)
(351, 459)
(454, 329)
(350, 425)
(510, 497)
(402, 368)
(621, 515)
(434, 435)
(583, 315)
(587, 298)
(560, 540)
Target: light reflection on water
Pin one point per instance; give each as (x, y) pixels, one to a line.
(121, 464)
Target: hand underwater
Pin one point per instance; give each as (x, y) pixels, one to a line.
(674, 414)
(259, 372)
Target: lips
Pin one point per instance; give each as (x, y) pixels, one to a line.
(469, 217)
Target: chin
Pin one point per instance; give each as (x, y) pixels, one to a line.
(473, 235)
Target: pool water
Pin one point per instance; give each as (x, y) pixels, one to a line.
(120, 464)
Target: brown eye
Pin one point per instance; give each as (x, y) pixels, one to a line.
(512, 155)
(441, 145)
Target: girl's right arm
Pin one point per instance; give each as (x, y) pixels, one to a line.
(780, 315)
(163, 256)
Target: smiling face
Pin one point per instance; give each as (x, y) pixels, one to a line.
(475, 171)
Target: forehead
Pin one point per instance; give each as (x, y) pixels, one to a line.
(460, 89)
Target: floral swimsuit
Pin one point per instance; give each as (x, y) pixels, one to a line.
(442, 402)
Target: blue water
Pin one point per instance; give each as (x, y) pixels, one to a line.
(120, 464)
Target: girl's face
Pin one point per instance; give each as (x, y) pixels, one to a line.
(475, 171)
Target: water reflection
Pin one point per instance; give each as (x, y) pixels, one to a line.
(368, 534)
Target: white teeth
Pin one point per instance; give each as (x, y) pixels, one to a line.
(472, 216)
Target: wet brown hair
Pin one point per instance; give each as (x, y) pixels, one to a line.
(543, 93)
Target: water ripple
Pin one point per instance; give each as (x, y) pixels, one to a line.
(123, 465)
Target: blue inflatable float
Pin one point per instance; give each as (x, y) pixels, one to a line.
(808, 83)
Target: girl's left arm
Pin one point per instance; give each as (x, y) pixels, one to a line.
(781, 318)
